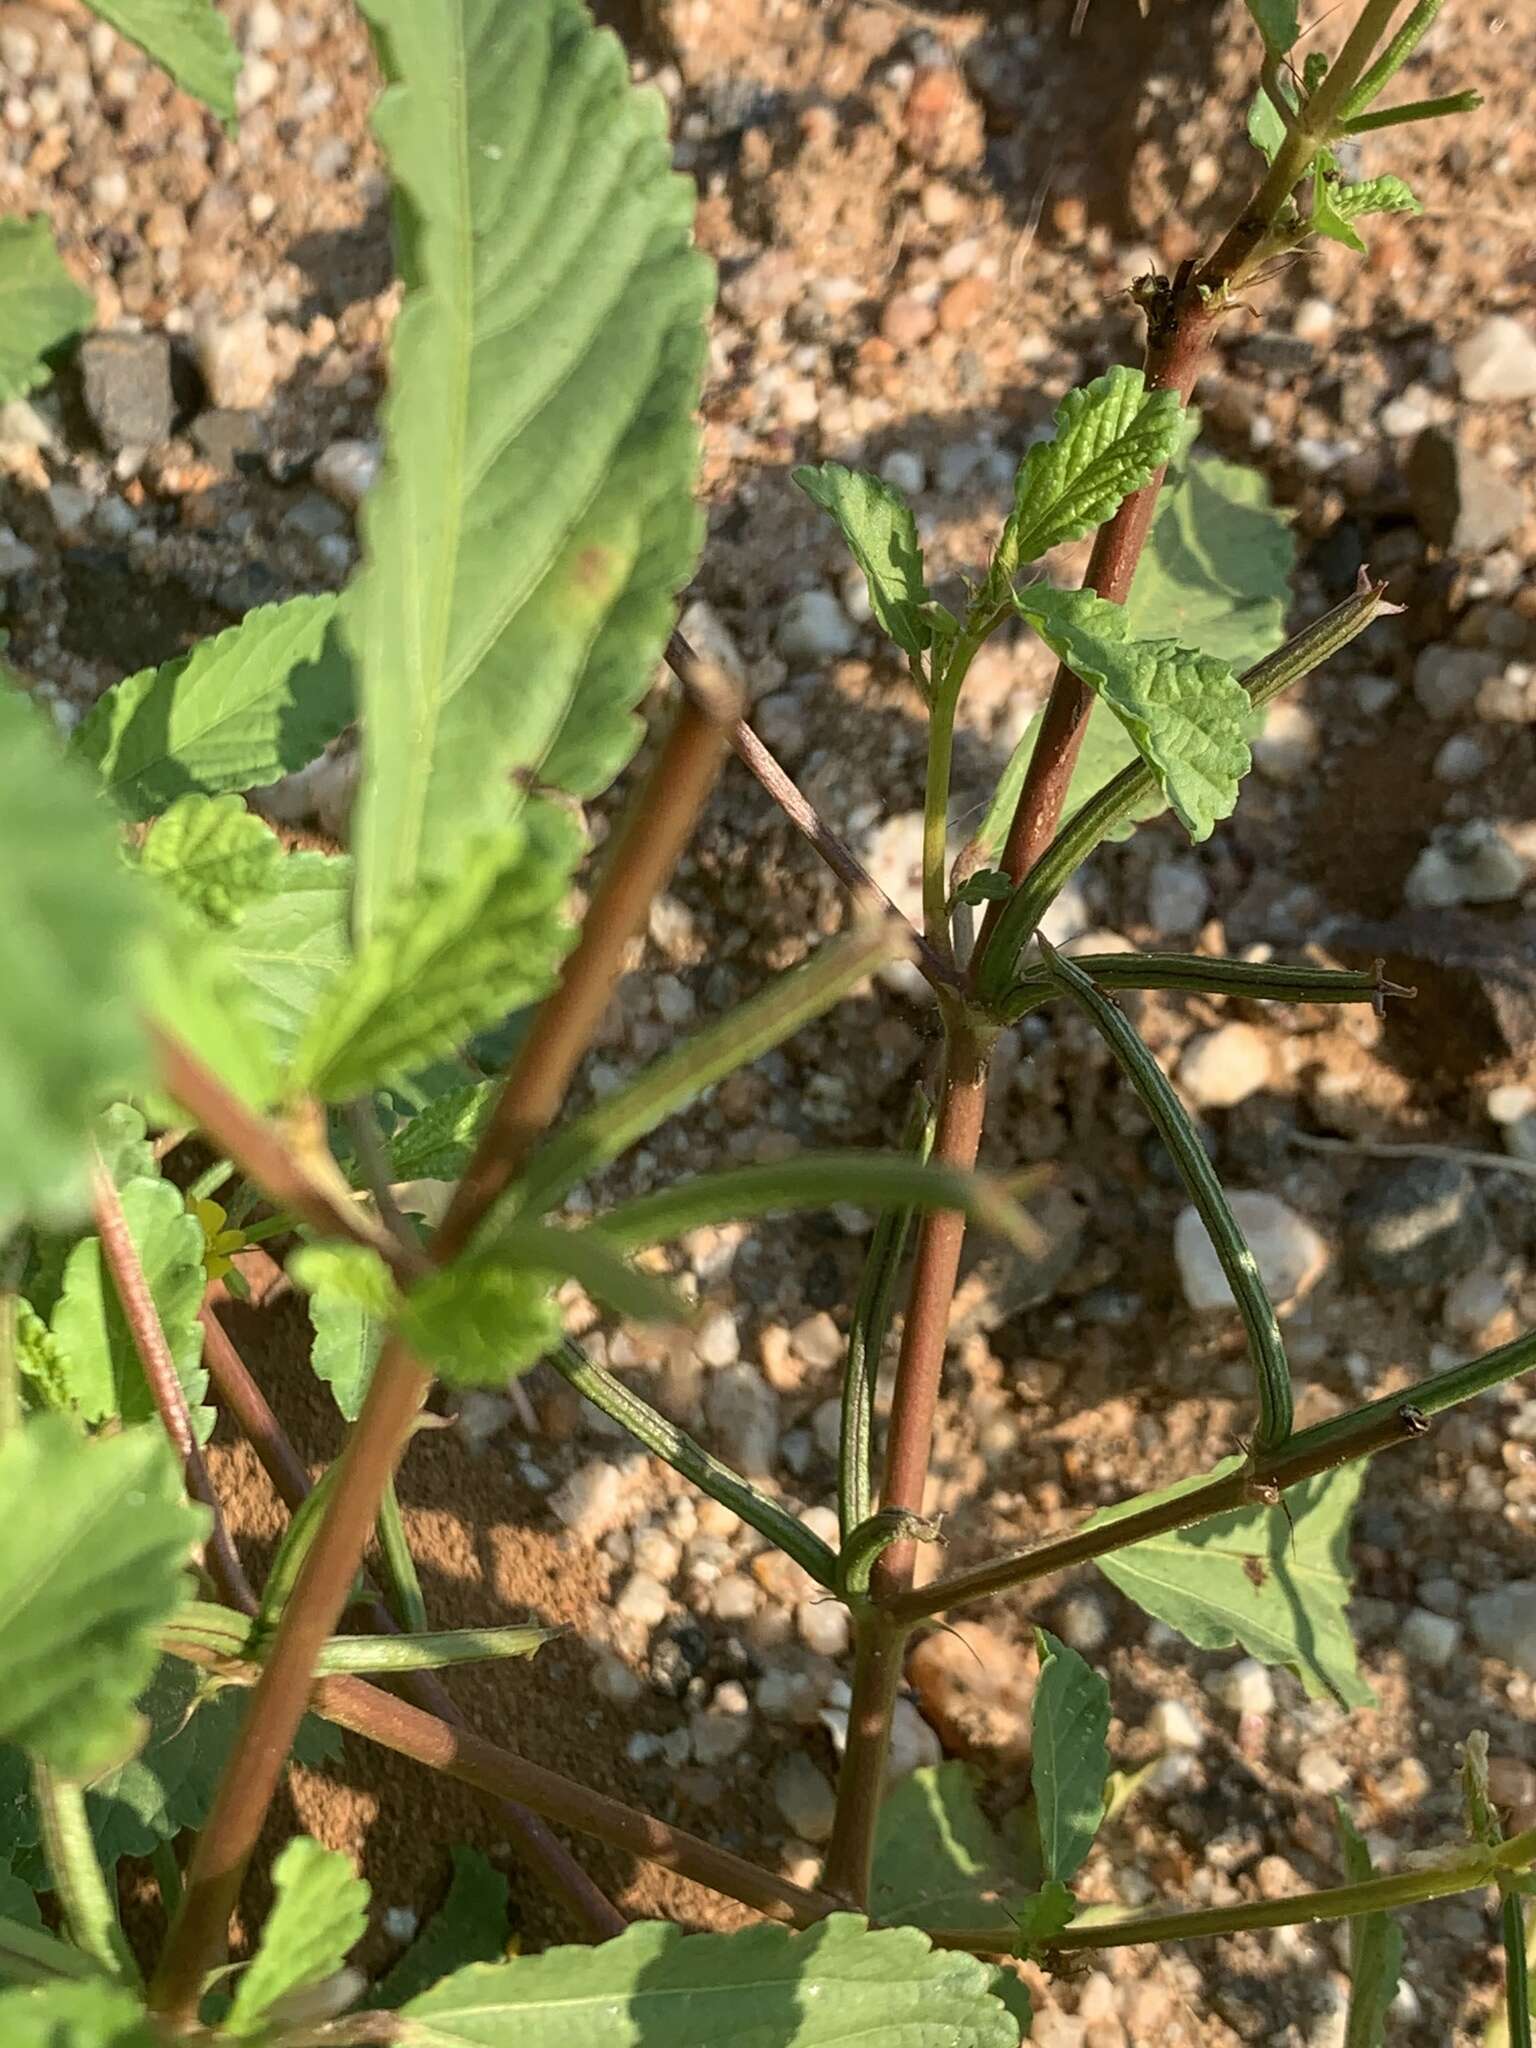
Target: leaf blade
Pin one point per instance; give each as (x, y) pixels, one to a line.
(188, 38)
(40, 304)
(318, 1916)
(1375, 1950)
(1070, 1755)
(214, 855)
(878, 525)
(470, 1926)
(532, 523)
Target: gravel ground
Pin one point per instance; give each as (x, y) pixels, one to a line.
(925, 219)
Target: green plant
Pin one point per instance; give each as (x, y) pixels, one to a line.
(525, 548)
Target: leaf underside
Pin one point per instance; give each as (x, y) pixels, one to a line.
(881, 532)
(533, 521)
(1070, 1756)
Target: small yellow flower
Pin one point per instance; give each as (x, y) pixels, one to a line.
(219, 1244)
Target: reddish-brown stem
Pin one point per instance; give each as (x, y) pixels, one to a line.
(353, 1703)
(545, 1854)
(200, 1930)
(164, 1382)
(861, 1781)
(647, 847)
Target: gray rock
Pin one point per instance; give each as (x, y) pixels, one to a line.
(743, 1412)
(1420, 1223)
(904, 470)
(1504, 1623)
(235, 357)
(346, 471)
(1429, 1638)
(126, 383)
(1460, 500)
(1471, 863)
(814, 627)
(803, 1796)
(1178, 895)
(224, 437)
(1497, 362)
(1446, 680)
(1289, 1252)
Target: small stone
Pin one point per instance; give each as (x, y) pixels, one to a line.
(823, 1626)
(906, 321)
(590, 1503)
(1320, 1772)
(15, 556)
(735, 1598)
(644, 1600)
(977, 1689)
(655, 1552)
(1497, 362)
(235, 357)
(1223, 1067)
(1175, 1726)
(257, 82)
(126, 382)
(904, 470)
(1473, 1302)
(1288, 744)
(1510, 1101)
(1409, 413)
(70, 506)
(817, 1341)
(400, 1923)
(314, 518)
(814, 627)
(1314, 320)
(743, 1413)
(764, 288)
(1244, 1687)
(264, 26)
(1446, 680)
(1504, 1623)
(785, 1695)
(1461, 502)
(613, 1680)
(1471, 863)
(482, 1416)
(1290, 1254)
(1082, 1623)
(1429, 1639)
(347, 470)
(724, 1727)
(1463, 758)
(964, 303)
(1178, 895)
(225, 437)
(914, 1746)
(718, 1342)
(803, 1796)
(1511, 1782)
(1417, 1223)
(942, 205)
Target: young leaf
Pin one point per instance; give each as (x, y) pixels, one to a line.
(588, 1256)
(88, 1323)
(1070, 1755)
(40, 304)
(47, 1376)
(1215, 573)
(291, 946)
(214, 855)
(837, 1985)
(188, 38)
(470, 1926)
(534, 519)
(319, 1913)
(84, 1585)
(938, 1862)
(1042, 1916)
(98, 2015)
(480, 1321)
(1188, 714)
(1336, 206)
(239, 711)
(1276, 1584)
(454, 954)
(1112, 436)
(1278, 23)
(881, 533)
(436, 1143)
(122, 1140)
(346, 1272)
(1375, 1950)
(1266, 128)
(346, 1348)
(69, 971)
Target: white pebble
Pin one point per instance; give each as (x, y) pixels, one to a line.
(590, 1503)
(346, 471)
(257, 82)
(235, 357)
(263, 26)
(1082, 1623)
(1244, 1687)
(1175, 1726)
(803, 1796)
(904, 470)
(1223, 1067)
(400, 1923)
(814, 627)
(1178, 895)
(1507, 1103)
(1320, 1772)
(735, 1598)
(1288, 745)
(823, 1626)
(1462, 759)
(644, 1600)
(718, 1341)
(1289, 1253)
(655, 1552)
(613, 1680)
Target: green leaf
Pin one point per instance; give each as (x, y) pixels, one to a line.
(1070, 1756)
(214, 855)
(47, 1377)
(1276, 1584)
(70, 950)
(534, 519)
(839, 1985)
(1112, 436)
(1278, 22)
(470, 1926)
(1375, 1950)
(40, 304)
(97, 1535)
(1043, 1916)
(584, 1254)
(453, 954)
(1107, 748)
(987, 885)
(1336, 206)
(194, 989)
(74, 2016)
(291, 946)
(239, 711)
(107, 1379)
(481, 1321)
(346, 1348)
(881, 533)
(1188, 714)
(122, 1139)
(1481, 1816)
(187, 38)
(938, 1862)
(1215, 573)
(1266, 130)
(319, 1914)
(18, 1901)
(346, 1272)
(436, 1143)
